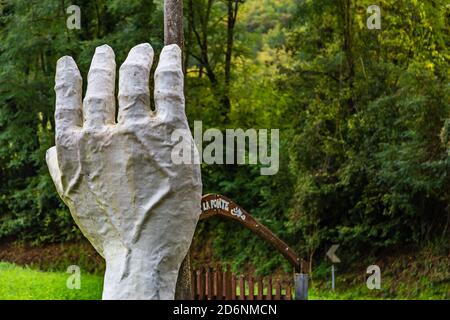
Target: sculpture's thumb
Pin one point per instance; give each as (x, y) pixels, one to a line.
(52, 163)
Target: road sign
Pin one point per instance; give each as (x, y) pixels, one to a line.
(331, 254)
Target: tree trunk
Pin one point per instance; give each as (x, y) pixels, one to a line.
(232, 6)
(348, 49)
(174, 34)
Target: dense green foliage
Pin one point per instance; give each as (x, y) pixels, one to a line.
(33, 36)
(364, 116)
(368, 155)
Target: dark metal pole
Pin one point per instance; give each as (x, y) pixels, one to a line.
(301, 286)
(173, 23)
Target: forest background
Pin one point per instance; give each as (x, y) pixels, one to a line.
(364, 119)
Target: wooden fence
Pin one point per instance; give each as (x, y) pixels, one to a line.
(219, 284)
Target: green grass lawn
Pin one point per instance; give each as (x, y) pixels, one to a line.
(22, 283)
(17, 283)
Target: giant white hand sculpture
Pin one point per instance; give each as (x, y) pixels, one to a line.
(137, 208)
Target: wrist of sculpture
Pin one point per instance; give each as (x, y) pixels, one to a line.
(128, 274)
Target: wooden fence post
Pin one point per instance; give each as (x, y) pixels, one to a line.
(277, 290)
(219, 283)
(194, 290)
(289, 292)
(200, 285)
(260, 289)
(209, 289)
(227, 284)
(242, 287)
(269, 289)
(251, 288)
(233, 287)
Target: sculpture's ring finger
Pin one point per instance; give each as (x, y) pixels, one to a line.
(134, 92)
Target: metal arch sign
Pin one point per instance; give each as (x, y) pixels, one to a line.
(219, 205)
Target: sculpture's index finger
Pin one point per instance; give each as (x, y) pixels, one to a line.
(169, 84)
(99, 102)
(68, 89)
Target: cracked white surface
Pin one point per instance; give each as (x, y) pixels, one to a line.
(137, 208)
